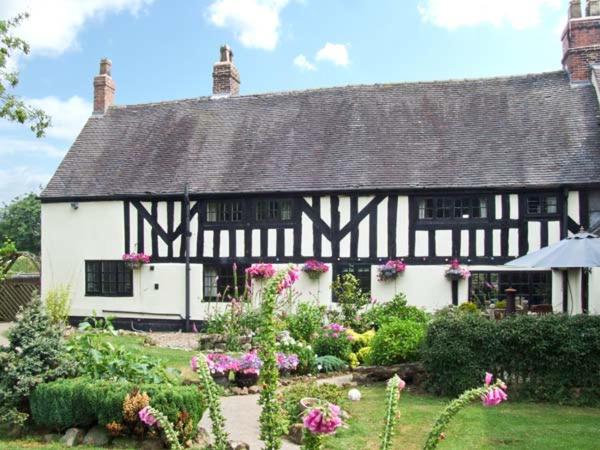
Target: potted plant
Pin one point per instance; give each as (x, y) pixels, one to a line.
(455, 272)
(220, 366)
(314, 269)
(287, 363)
(135, 260)
(248, 369)
(390, 270)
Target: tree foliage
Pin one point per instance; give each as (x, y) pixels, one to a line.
(20, 222)
(11, 106)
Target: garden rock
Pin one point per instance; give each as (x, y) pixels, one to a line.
(152, 444)
(72, 437)
(412, 373)
(51, 437)
(203, 438)
(97, 436)
(296, 433)
(236, 445)
(254, 390)
(125, 442)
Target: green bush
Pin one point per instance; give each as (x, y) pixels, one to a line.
(36, 354)
(468, 308)
(306, 356)
(306, 323)
(364, 355)
(329, 363)
(546, 358)
(58, 304)
(292, 395)
(397, 341)
(329, 344)
(83, 402)
(396, 308)
(350, 298)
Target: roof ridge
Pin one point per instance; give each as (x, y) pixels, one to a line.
(346, 87)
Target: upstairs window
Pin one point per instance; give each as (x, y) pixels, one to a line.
(273, 210)
(219, 282)
(224, 211)
(108, 279)
(541, 205)
(450, 208)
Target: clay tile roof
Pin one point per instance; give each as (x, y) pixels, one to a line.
(533, 130)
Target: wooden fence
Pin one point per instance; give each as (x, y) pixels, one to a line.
(15, 292)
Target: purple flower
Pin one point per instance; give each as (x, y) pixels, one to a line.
(289, 279)
(494, 396)
(316, 267)
(220, 364)
(250, 363)
(194, 363)
(287, 362)
(146, 416)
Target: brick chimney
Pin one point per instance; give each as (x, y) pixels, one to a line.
(581, 40)
(104, 88)
(226, 78)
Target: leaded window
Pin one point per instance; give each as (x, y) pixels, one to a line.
(541, 205)
(533, 286)
(224, 211)
(449, 208)
(361, 271)
(108, 279)
(220, 282)
(273, 209)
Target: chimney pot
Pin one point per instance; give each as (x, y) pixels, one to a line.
(593, 8)
(104, 88)
(226, 78)
(575, 9)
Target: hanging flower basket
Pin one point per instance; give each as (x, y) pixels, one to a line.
(260, 271)
(390, 270)
(455, 272)
(314, 269)
(135, 260)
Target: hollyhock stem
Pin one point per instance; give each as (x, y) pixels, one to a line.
(211, 397)
(394, 386)
(312, 441)
(165, 425)
(454, 407)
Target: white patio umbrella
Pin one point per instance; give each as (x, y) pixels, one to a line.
(580, 251)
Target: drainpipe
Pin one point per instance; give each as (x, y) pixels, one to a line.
(564, 232)
(186, 231)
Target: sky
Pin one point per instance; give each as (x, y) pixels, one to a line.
(165, 49)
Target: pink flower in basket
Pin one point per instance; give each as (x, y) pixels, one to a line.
(260, 271)
(314, 269)
(141, 258)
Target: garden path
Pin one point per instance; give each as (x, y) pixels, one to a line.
(242, 412)
(4, 326)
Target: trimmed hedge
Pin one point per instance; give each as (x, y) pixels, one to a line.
(552, 358)
(397, 341)
(83, 402)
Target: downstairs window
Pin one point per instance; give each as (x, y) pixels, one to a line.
(108, 279)
(219, 282)
(535, 287)
(361, 271)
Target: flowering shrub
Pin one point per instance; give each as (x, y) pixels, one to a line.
(249, 364)
(314, 269)
(287, 363)
(141, 258)
(307, 360)
(288, 279)
(260, 271)
(221, 364)
(333, 340)
(456, 272)
(390, 270)
(306, 322)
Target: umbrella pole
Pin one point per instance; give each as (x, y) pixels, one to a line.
(565, 286)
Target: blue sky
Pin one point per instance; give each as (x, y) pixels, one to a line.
(164, 49)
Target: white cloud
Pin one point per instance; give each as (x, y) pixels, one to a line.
(13, 146)
(68, 116)
(18, 180)
(453, 14)
(255, 23)
(53, 25)
(303, 63)
(335, 53)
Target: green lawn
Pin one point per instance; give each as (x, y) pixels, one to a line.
(510, 425)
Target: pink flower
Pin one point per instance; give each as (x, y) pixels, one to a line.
(194, 329)
(488, 378)
(194, 363)
(401, 384)
(323, 419)
(316, 267)
(146, 416)
(260, 271)
(455, 264)
(289, 279)
(494, 397)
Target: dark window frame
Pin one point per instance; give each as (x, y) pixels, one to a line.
(542, 201)
(233, 207)
(271, 207)
(533, 280)
(452, 208)
(100, 268)
(341, 269)
(225, 278)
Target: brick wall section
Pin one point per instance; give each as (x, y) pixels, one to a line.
(226, 79)
(581, 47)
